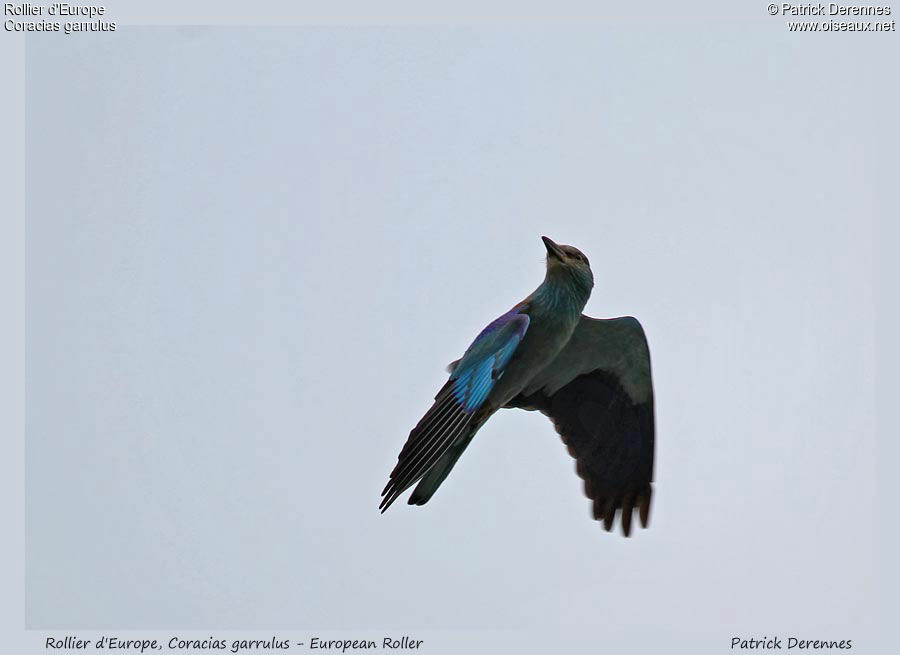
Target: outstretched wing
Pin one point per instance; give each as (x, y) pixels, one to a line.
(599, 394)
(451, 421)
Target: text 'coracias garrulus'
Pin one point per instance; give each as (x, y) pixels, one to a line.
(590, 376)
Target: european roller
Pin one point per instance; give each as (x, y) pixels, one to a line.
(590, 376)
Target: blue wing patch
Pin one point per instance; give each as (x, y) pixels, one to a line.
(485, 360)
(449, 420)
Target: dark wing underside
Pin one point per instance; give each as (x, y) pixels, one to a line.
(607, 429)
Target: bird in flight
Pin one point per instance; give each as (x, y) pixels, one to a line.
(590, 376)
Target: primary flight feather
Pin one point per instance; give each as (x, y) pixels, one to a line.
(591, 377)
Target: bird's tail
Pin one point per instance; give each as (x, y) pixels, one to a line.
(439, 472)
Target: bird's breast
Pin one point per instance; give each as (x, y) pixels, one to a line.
(545, 338)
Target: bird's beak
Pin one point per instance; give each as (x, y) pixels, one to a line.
(552, 249)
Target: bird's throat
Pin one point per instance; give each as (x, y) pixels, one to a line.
(561, 295)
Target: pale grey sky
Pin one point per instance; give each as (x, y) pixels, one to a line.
(250, 252)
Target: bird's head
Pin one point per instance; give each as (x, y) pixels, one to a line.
(568, 262)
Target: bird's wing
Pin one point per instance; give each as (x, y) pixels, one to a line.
(599, 394)
(450, 419)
